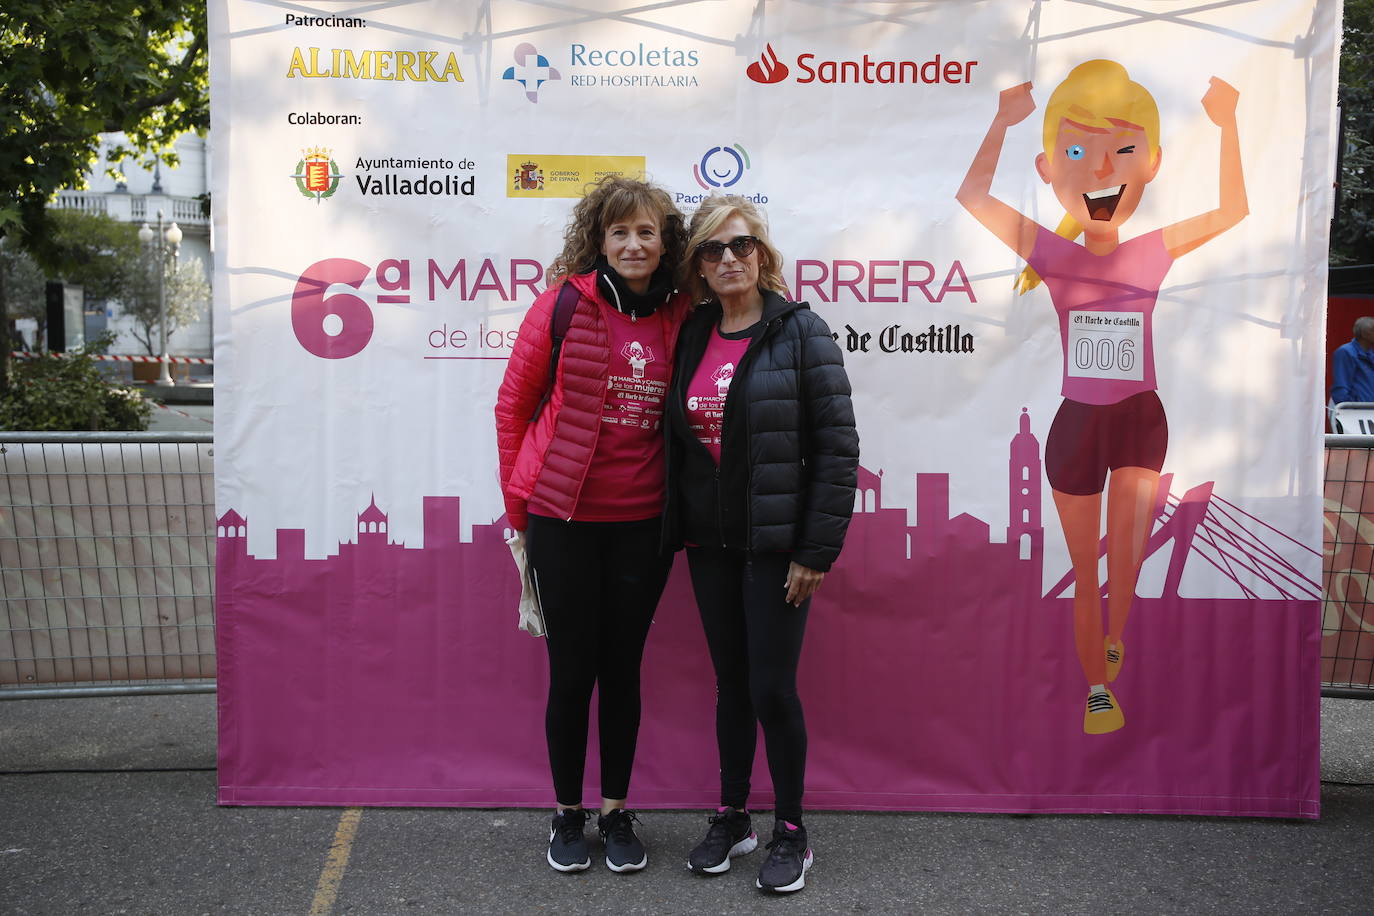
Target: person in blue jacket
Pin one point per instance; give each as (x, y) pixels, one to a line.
(1352, 365)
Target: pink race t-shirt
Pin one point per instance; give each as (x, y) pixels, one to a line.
(625, 480)
(1105, 305)
(709, 386)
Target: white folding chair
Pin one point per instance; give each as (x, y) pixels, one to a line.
(1353, 418)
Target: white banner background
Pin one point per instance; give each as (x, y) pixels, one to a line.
(851, 172)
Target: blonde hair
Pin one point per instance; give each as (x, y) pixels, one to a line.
(609, 201)
(1094, 94)
(706, 222)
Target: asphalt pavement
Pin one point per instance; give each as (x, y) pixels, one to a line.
(107, 806)
(188, 407)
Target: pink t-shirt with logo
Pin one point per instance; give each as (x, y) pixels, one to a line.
(709, 386)
(625, 480)
(1106, 307)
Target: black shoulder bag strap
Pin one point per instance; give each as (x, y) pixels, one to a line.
(563, 309)
(804, 427)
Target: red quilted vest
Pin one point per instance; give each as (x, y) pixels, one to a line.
(550, 456)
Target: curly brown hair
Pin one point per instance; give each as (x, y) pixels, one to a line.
(609, 201)
(706, 222)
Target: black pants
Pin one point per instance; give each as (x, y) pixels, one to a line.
(755, 638)
(599, 583)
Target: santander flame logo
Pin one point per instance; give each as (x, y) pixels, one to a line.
(767, 69)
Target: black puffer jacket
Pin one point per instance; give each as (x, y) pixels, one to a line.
(789, 452)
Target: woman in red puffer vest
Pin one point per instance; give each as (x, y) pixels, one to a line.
(583, 479)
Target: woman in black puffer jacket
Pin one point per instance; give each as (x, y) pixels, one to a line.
(763, 460)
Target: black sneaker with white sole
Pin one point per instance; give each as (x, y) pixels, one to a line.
(731, 834)
(789, 857)
(567, 844)
(624, 851)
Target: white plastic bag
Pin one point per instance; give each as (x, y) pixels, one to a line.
(531, 614)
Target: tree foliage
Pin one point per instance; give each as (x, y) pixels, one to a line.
(68, 392)
(1352, 233)
(186, 290)
(96, 252)
(70, 71)
(101, 255)
(21, 285)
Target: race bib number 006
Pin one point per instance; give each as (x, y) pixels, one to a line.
(1107, 345)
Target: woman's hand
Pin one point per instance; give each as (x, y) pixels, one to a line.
(1014, 105)
(1220, 102)
(802, 582)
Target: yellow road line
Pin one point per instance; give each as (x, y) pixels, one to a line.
(336, 862)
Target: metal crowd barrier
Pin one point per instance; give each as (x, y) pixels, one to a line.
(1348, 568)
(107, 564)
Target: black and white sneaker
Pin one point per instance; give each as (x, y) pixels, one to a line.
(624, 851)
(730, 834)
(788, 859)
(567, 845)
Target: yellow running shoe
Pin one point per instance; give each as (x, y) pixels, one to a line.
(1115, 654)
(1103, 713)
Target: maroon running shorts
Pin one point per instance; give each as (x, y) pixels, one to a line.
(1087, 440)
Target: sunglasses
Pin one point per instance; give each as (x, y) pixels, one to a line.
(741, 246)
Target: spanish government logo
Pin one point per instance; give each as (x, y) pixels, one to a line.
(564, 175)
(317, 175)
(528, 177)
(531, 70)
(767, 69)
(721, 167)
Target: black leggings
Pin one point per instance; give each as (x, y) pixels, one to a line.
(755, 638)
(599, 583)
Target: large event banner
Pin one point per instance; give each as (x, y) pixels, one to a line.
(391, 181)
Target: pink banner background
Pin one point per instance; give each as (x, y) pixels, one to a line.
(934, 677)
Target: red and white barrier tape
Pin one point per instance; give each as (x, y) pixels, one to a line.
(193, 360)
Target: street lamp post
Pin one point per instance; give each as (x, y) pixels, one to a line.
(172, 239)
